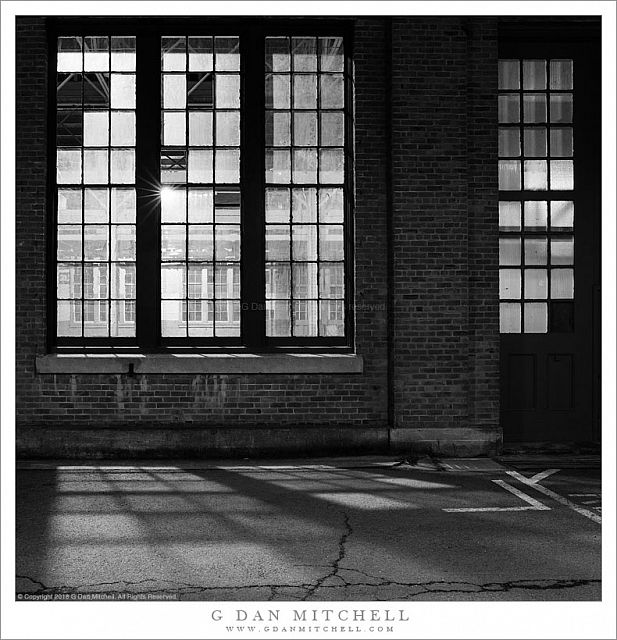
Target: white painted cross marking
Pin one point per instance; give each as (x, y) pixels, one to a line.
(533, 504)
(530, 482)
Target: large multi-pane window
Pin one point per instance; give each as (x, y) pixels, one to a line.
(210, 208)
(536, 183)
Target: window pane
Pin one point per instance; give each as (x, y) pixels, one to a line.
(200, 205)
(173, 242)
(200, 166)
(509, 108)
(509, 251)
(96, 128)
(509, 175)
(535, 251)
(174, 128)
(561, 74)
(229, 323)
(509, 142)
(200, 54)
(535, 214)
(304, 54)
(304, 205)
(96, 242)
(173, 281)
(173, 321)
(200, 128)
(173, 204)
(331, 242)
(278, 166)
(535, 177)
(278, 318)
(277, 205)
(536, 283)
(227, 242)
(123, 205)
(123, 53)
(201, 242)
(277, 242)
(173, 53)
(562, 214)
(331, 318)
(305, 129)
(562, 250)
(331, 166)
(123, 313)
(277, 54)
(69, 166)
(331, 205)
(96, 53)
(304, 165)
(562, 175)
(561, 107)
(228, 128)
(69, 242)
(68, 281)
(123, 279)
(69, 206)
(509, 216)
(227, 91)
(508, 74)
(535, 142)
(174, 91)
(278, 128)
(304, 242)
(123, 166)
(122, 91)
(332, 91)
(509, 283)
(332, 129)
(227, 53)
(123, 242)
(304, 280)
(70, 54)
(331, 280)
(227, 165)
(123, 128)
(534, 107)
(331, 54)
(534, 74)
(304, 317)
(96, 205)
(510, 317)
(562, 142)
(562, 283)
(278, 91)
(305, 91)
(278, 280)
(95, 166)
(536, 317)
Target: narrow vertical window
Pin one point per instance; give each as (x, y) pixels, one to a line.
(536, 183)
(95, 178)
(200, 194)
(304, 192)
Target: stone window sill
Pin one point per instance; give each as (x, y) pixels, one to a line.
(290, 363)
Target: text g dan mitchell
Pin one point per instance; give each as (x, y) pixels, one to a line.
(310, 615)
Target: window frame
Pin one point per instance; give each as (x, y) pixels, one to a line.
(252, 33)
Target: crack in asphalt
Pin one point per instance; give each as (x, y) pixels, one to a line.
(334, 566)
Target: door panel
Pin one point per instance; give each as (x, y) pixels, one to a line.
(549, 239)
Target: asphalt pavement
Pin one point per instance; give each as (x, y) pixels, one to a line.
(329, 530)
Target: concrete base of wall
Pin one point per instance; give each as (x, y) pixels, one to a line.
(461, 442)
(157, 441)
(197, 442)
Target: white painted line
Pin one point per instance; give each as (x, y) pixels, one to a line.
(487, 509)
(543, 474)
(534, 505)
(556, 497)
(584, 495)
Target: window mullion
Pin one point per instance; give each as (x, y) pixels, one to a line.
(147, 184)
(252, 180)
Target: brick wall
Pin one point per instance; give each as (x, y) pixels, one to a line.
(444, 301)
